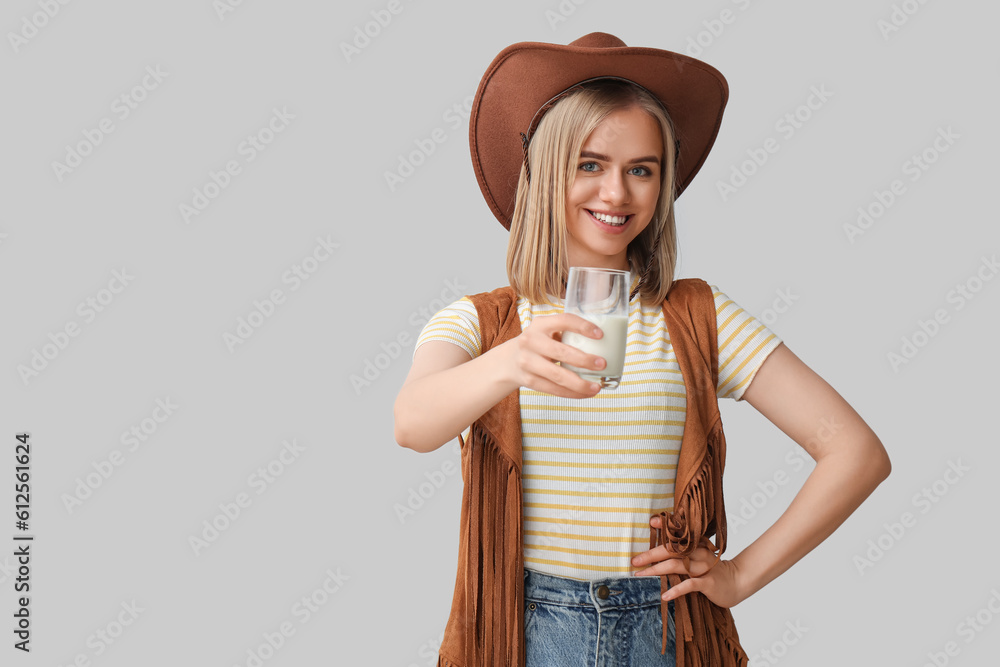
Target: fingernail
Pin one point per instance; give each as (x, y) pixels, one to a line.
(597, 331)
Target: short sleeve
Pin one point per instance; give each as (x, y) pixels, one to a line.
(457, 323)
(744, 343)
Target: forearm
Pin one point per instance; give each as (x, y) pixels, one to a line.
(838, 484)
(435, 409)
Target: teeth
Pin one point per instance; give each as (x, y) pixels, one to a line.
(610, 219)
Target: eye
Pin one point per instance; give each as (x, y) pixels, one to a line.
(640, 171)
(589, 166)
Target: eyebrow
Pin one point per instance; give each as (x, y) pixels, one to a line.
(598, 156)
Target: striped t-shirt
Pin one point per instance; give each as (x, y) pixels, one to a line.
(595, 469)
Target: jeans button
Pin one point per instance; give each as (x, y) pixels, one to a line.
(603, 592)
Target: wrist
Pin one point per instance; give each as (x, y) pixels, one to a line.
(744, 578)
(505, 363)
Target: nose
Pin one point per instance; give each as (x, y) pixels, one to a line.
(613, 188)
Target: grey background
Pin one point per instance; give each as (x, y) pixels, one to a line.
(336, 506)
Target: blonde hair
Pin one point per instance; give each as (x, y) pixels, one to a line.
(537, 262)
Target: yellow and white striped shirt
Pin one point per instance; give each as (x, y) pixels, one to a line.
(595, 469)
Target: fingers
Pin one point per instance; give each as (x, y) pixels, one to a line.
(670, 566)
(566, 387)
(707, 550)
(559, 381)
(556, 351)
(552, 346)
(683, 588)
(706, 572)
(541, 350)
(661, 561)
(571, 322)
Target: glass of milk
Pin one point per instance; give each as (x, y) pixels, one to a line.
(599, 296)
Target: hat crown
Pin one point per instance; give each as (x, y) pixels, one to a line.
(598, 40)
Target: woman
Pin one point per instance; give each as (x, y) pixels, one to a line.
(609, 137)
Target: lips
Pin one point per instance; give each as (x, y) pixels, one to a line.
(609, 222)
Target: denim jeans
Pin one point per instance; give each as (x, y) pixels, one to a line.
(611, 622)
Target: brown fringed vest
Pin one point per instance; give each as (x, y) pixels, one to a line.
(486, 624)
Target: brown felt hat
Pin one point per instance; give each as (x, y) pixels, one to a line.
(522, 81)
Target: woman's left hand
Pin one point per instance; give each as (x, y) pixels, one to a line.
(719, 581)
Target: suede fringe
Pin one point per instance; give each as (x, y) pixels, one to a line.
(496, 594)
(486, 626)
(698, 513)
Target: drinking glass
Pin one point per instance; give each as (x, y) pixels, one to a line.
(600, 296)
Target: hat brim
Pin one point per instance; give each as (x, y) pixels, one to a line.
(526, 75)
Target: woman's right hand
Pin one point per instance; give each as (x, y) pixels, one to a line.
(447, 389)
(536, 349)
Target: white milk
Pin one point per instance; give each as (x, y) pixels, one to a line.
(611, 346)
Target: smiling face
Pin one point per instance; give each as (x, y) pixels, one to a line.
(615, 189)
